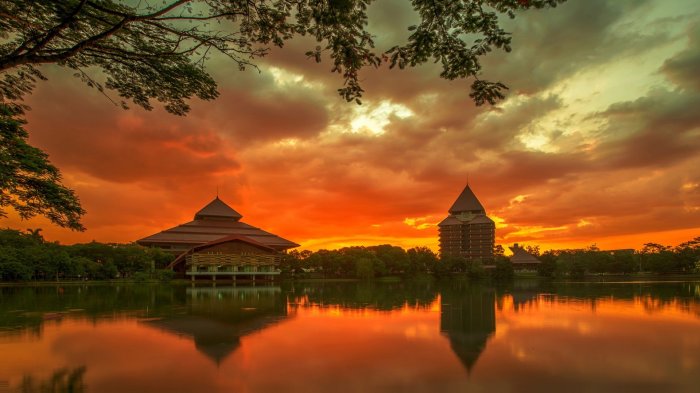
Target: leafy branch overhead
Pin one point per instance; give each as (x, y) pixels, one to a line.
(28, 181)
(158, 50)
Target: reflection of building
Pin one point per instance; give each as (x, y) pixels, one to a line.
(522, 259)
(217, 318)
(217, 243)
(467, 231)
(468, 319)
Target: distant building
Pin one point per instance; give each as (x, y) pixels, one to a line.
(217, 243)
(522, 259)
(467, 231)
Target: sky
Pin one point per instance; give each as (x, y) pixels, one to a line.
(597, 142)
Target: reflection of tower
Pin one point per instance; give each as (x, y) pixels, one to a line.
(467, 232)
(217, 317)
(468, 319)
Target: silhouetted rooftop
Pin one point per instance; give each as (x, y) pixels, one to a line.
(522, 256)
(217, 209)
(213, 222)
(466, 202)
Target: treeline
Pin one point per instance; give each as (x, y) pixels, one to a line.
(652, 258)
(387, 260)
(27, 256)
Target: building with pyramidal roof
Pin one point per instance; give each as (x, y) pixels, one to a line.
(521, 259)
(218, 243)
(467, 232)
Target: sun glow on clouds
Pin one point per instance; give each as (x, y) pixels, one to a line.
(429, 241)
(534, 231)
(420, 223)
(500, 222)
(372, 121)
(285, 78)
(583, 223)
(297, 160)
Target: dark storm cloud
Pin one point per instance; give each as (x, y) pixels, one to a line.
(658, 130)
(551, 45)
(249, 117)
(83, 132)
(683, 69)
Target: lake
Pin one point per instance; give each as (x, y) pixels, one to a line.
(352, 337)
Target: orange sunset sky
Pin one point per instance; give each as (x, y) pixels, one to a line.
(597, 142)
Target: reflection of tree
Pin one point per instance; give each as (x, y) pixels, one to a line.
(366, 294)
(467, 319)
(62, 381)
(26, 309)
(654, 296)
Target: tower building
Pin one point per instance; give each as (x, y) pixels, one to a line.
(467, 231)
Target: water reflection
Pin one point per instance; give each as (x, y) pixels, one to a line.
(61, 381)
(356, 336)
(468, 319)
(217, 317)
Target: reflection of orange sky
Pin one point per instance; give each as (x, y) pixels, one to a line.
(542, 344)
(610, 340)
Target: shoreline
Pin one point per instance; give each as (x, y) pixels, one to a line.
(592, 279)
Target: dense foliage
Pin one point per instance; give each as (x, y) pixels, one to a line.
(653, 258)
(28, 181)
(387, 260)
(158, 50)
(26, 256)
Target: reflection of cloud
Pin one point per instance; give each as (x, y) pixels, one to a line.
(580, 337)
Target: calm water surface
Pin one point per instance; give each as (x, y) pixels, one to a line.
(351, 337)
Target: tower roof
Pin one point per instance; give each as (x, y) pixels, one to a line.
(217, 209)
(466, 201)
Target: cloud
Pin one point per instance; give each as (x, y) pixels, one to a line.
(682, 69)
(599, 132)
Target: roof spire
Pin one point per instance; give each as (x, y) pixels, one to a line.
(217, 190)
(467, 202)
(217, 209)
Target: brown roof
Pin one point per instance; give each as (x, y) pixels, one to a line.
(466, 201)
(522, 256)
(480, 219)
(217, 209)
(213, 222)
(449, 220)
(477, 219)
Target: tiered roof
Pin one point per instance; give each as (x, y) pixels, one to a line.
(214, 221)
(466, 210)
(520, 256)
(217, 209)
